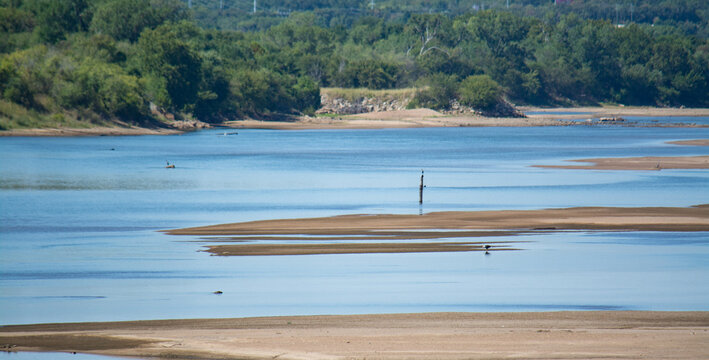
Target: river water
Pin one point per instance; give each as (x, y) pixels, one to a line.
(79, 221)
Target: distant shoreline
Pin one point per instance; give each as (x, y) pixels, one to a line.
(94, 131)
(446, 336)
(401, 119)
(421, 118)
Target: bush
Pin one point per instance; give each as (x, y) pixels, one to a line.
(479, 92)
(437, 92)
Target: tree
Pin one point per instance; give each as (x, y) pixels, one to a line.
(57, 18)
(174, 69)
(429, 33)
(126, 19)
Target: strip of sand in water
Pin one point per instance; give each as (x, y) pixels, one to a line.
(695, 218)
(349, 248)
(437, 225)
(698, 142)
(531, 335)
(638, 163)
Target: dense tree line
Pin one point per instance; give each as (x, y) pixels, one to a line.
(118, 58)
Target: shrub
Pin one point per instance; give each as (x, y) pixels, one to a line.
(479, 91)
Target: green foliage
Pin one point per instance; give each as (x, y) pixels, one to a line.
(173, 66)
(126, 19)
(56, 18)
(371, 74)
(109, 59)
(437, 92)
(479, 92)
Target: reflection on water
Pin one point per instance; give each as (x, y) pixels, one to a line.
(78, 223)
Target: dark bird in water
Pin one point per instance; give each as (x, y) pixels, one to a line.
(218, 292)
(487, 253)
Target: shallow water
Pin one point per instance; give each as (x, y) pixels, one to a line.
(79, 220)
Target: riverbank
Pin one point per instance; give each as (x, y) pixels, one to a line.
(173, 127)
(539, 335)
(430, 118)
(94, 131)
(397, 119)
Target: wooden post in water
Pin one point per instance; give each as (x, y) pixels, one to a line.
(421, 189)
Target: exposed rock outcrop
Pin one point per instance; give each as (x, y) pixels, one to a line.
(342, 106)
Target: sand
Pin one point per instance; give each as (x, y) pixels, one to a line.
(400, 119)
(355, 229)
(351, 248)
(645, 162)
(694, 218)
(638, 163)
(698, 142)
(430, 118)
(532, 335)
(245, 236)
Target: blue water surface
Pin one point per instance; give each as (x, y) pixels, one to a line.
(80, 220)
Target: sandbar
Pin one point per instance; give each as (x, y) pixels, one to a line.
(350, 248)
(349, 231)
(698, 142)
(530, 335)
(637, 163)
(695, 218)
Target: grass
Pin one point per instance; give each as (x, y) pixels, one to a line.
(14, 116)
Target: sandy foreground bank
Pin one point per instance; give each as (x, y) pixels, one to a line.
(430, 118)
(534, 335)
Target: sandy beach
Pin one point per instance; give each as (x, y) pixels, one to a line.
(531, 335)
